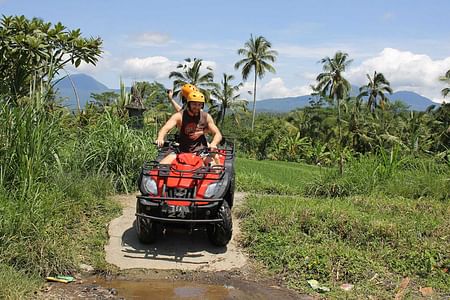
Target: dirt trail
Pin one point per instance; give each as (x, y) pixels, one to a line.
(175, 250)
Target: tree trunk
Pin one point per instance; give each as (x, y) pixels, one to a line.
(223, 116)
(75, 91)
(341, 159)
(254, 103)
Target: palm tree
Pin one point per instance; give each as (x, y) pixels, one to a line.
(189, 72)
(257, 55)
(335, 87)
(446, 78)
(375, 89)
(226, 98)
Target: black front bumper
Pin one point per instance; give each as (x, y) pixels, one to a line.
(157, 209)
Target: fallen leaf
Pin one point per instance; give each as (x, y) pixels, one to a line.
(401, 290)
(314, 284)
(346, 287)
(426, 291)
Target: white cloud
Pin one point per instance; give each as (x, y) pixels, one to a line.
(405, 71)
(104, 64)
(152, 38)
(155, 67)
(275, 88)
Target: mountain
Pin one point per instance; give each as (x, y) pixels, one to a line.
(281, 105)
(415, 101)
(84, 85)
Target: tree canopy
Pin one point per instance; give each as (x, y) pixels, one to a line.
(37, 50)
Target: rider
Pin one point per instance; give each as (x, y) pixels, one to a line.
(185, 90)
(192, 123)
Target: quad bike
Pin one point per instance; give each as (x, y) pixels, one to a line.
(187, 193)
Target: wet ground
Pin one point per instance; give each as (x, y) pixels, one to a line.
(180, 265)
(168, 286)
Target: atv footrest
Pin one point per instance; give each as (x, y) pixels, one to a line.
(171, 220)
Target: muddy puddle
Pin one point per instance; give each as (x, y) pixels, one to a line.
(158, 289)
(100, 288)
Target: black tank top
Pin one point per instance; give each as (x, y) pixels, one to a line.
(189, 125)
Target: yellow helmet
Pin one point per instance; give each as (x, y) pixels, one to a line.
(187, 88)
(195, 97)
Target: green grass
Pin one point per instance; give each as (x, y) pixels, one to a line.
(16, 284)
(274, 177)
(62, 226)
(349, 240)
(54, 200)
(408, 177)
(373, 239)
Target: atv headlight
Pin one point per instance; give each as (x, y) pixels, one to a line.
(211, 190)
(148, 186)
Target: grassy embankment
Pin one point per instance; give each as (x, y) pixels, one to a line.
(57, 172)
(384, 220)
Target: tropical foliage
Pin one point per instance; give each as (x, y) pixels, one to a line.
(376, 90)
(226, 98)
(333, 86)
(57, 167)
(446, 78)
(33, 51)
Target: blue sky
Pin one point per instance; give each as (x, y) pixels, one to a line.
(408, 41)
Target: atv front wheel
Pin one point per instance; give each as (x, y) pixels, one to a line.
(146, 230)
(220, 234)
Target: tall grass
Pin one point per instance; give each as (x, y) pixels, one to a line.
(55, 179)
(30, 141)
(109, 147)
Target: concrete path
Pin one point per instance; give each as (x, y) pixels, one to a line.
(175, 250)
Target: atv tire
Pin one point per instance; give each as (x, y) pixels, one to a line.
(146, 230)
(220, 234)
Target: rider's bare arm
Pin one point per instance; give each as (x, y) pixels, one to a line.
(174, 121)
(212, 128)
(175, 105)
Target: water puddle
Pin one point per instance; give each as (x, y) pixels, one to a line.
(169, 289)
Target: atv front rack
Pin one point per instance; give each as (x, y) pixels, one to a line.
(164, 170)
(193, 200)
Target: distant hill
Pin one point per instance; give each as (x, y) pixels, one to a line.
(281, 105)
(415, 101)
(85, 85)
